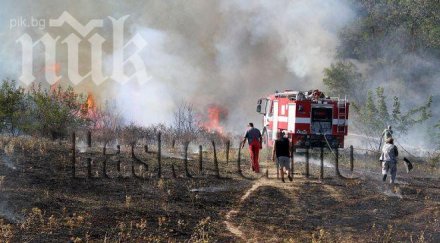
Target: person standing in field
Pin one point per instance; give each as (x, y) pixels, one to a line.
(387, 133)
(281, 152)
(254, 139)
(389, 160)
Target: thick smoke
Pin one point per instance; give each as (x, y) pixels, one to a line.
(226, 53)
(412, 77)
(232, 53)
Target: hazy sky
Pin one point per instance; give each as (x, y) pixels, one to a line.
(226, 53)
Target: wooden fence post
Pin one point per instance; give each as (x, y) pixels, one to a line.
(89, 167)
(89, 138)
(104, 163)
(228, 144)
(337, 162)
(118, 163)
(217, 170)
(73, 154)
(307, 163)
(321, 173)
(351, 158)
(174, 171)
(132, 162)
(133, 172)
(104, 167)
(239, 160)
(185, 160)
(104, 149)
(200, 159)
(159, 155)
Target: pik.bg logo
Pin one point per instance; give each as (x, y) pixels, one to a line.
(87, 33)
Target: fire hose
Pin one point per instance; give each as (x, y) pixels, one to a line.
(325, 138)
(328, 144)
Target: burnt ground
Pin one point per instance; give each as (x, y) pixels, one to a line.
(41, 202)
(341, 211)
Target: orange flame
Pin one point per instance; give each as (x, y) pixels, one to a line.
(89, 107)
(216, 115)
(92, 111)
(91, 101)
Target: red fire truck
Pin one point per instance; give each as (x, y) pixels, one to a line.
(310, 118)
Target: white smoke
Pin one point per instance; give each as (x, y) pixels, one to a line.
(228, 53)
(253, 49)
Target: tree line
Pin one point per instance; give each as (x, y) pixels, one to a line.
(390, 42)
(36, 111)
(57, 112)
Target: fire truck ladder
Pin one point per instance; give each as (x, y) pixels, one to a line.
(342, 115)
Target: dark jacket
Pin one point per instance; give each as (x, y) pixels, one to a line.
(282, 147)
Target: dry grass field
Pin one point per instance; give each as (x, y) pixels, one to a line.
(41, 202)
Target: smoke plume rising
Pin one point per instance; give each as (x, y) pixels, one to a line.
(227, 53)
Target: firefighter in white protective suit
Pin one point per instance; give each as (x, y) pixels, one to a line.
(387, 133)
(388, 158)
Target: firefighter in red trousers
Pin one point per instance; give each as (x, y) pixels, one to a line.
(253, 136)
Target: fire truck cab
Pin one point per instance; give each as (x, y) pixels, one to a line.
(310, 118)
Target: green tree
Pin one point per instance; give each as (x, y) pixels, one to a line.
(396, 114)
(415, 116)
(55, 112)
(343, 78)
(374, 116)
(382, 109)
(399, 25)
(12, 107)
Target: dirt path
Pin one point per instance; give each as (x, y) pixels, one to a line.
(234, 229)
(233, 212)
(335, 210)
